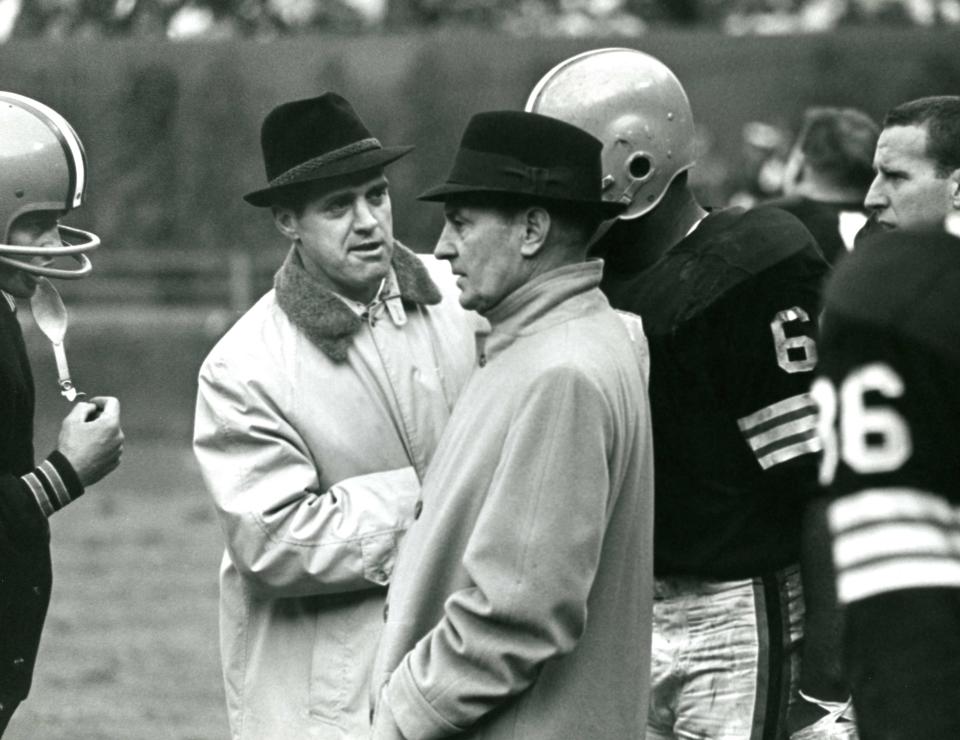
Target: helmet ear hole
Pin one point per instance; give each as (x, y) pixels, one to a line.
(640, 166)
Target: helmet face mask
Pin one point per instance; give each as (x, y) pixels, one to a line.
(76, 242)
(636, 106)
(44, 169)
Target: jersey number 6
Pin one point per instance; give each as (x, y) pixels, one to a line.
(872, 439)
(804, 356)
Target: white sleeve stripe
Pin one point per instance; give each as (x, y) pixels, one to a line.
(805, 426)
(790, 451)
(56, 483)
(874, 505)
(897, 575)
(800, 403)
(36, 488)
(895, 540)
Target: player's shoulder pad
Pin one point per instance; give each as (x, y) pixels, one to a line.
(757, 239)
(729, 248)
(904, 281)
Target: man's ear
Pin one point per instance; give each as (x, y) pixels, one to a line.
(286, 222)
(536, 227)
(955, 188)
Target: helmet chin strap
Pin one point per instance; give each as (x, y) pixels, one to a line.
(75, 251)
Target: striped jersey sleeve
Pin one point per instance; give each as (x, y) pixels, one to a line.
(772, 358)
(53, 484)
(890, 427)
(894, 538)
(781, 431)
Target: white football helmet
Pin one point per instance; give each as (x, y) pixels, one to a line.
(43, 167)
(636, 106)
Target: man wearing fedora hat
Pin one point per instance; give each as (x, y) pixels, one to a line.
(317, 415)
(521, 602)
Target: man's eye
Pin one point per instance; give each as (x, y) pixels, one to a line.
(338, 206)
(377, 196)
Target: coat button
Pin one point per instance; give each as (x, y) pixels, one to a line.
(17, 662)
(417, 509)
(482, 361)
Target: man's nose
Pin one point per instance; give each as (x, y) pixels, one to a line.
(364, 219)
(875, 199)
(444, 250)
(48, 239)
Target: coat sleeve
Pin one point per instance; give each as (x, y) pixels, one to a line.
(284, 534)
(531, 559)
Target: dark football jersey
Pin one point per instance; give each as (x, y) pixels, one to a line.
(888, 388)
(731, 317)
(833, 225)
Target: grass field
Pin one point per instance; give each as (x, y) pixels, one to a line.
(130, 646)
(130, 649)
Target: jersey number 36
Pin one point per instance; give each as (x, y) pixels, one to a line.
(869, 439)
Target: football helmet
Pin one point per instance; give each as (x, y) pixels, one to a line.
(636, 106)
(43, 167)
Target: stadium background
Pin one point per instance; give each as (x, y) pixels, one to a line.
(171, 126)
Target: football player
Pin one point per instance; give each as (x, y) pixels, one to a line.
(42, 178)
(889, 406)
(888, 418)
(730, 302)
(827, 175)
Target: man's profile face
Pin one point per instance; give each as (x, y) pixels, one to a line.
(345, 235)
(907, 191)
(32, 229)
(482, 246)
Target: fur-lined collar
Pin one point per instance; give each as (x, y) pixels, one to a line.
(325, 318)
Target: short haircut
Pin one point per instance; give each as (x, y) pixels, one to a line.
(838, 143)
(579, 221)
(941, 114)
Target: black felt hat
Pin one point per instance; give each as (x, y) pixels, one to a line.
(316, 139)
(527, 154)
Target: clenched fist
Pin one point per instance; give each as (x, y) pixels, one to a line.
(91, 438)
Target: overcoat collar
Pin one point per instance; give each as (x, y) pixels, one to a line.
(325, 318)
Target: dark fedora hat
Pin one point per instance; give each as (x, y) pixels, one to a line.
(527, 154)
(316, 139)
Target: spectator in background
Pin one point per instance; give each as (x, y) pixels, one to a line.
(317, 415)
(889, 406)
(521, 603)
(42, 178)
(917, 165)
(759, 174)
(827, 176)
(729, 302)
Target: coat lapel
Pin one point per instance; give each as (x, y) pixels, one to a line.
(325, 318)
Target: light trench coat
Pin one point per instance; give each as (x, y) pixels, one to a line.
(312, 432)
(521, 606)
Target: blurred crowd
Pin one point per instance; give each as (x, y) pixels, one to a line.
(266, 19)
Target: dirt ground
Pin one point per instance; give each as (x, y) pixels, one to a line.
(130, 646)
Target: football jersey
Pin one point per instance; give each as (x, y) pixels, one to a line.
(834, 225)
(731, 317)
(888, 388)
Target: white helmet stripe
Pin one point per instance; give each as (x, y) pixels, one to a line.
(68, 138)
